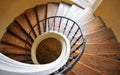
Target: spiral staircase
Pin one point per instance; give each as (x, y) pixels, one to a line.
(102, 50)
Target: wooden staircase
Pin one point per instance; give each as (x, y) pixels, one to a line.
(102, 52)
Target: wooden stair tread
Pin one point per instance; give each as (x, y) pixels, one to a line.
(99, 49)
(18, 31)
(105, 65)
(23, 22)
(41, 12)
(85, 17)
(29, 61)
(32, 18)
(93, 26)
(102, 48)
(20, 58)
(105, 50)
(52, 9)
(103, 36)
(81, 68)
(74, 12)
(70, 73)
(12, 39)
(72, 16)
(111, 51)
(111, 56)
(63, 9)
(9, 49)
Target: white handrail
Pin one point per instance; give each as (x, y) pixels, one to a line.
(11, 67)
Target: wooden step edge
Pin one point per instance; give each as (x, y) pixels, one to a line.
(102, 54)
(111, 56)
(52, 9)
(94, 25)
(94, 20)
(29, 61)
(107, 56)
(15, 45)
(37, 19)
(17, 55)
(104, 51)
(111, 35)
(113, 60)
(30, 23)
(99, 50)
(37, 15)
(20, 38)
(71, 72)
(105, 62)
(116, 60)
(10, 49)
(19, 58)
(91, 68)
(100, 31)
(52, 3)
(102, 37)
(28, 42)
(101, 46)
(24, 31)
(22, 21)
(86, 16)
(19, 42)
(66, 8)
(91, 32)
(9, 29)
(70, 14)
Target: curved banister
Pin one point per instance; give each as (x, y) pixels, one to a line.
(62, 25)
